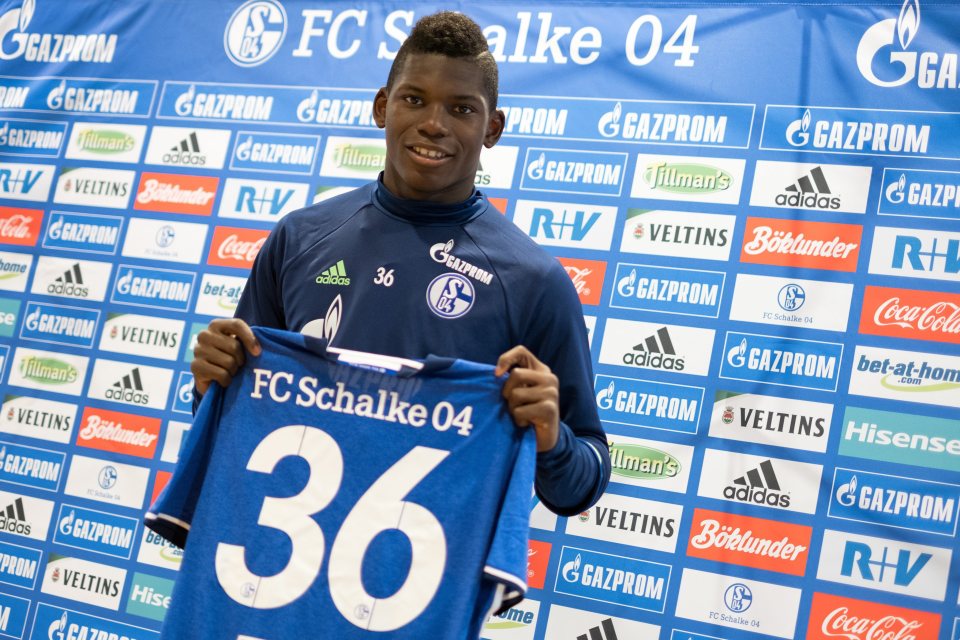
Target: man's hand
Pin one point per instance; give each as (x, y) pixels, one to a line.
(532, 393)
(221, 351)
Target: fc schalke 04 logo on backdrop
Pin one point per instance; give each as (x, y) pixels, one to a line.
(255, 32)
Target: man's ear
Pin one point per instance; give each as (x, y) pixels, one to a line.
(494, 128)
(380, 108)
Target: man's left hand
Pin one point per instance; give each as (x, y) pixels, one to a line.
(532, 393)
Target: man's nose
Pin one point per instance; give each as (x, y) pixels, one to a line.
(433, 122)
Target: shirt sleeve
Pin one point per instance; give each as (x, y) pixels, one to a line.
(170, 516)
(506, 562)
(573, 475)
(260, 304)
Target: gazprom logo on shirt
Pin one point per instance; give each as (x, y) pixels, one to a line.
(895, 501)
(616, 579)
(920, 193)
(569, 171)
(157, 288)
(781, 361)
(56, 623)
(87, 232)
(276, 152)
(646, 403)
(668, 290)
(96, 531)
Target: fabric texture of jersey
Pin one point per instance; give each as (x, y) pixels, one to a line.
(375, 273)
(323, 500)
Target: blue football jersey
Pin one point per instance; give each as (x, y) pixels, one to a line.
(331, 494)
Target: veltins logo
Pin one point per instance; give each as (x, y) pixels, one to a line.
(920, 193)
(922, 441)
(760, 480)
(738, 603)
(905, 568)
(255, 32)
(616, 579)
(50, 47)
(885, 46)
(772, 421)
(83, 581)
(37, 418)
(906, 375)
(678, 234)
(94, 187)
(648, 403)
(781, 361)
(895, 501)
(833, 617)
(749, 542)
(630, 521)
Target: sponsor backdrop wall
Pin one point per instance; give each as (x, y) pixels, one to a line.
(758, 205)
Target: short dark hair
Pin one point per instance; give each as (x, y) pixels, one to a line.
(454, 35)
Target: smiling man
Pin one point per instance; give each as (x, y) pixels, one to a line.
(420, 263)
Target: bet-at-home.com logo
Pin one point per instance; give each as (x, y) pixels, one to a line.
(886, 59)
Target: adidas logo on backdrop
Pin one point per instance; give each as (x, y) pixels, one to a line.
(656, 352)
(810, 191)
(758, 486)
(129, 388)
(14, 520)
(604, 632)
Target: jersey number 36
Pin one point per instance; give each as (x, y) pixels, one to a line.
(380, 508)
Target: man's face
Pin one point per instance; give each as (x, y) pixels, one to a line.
(437, 120)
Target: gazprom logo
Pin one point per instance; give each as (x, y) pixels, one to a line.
(255, 32)
(646, 403)
(885, 59)
(782, 361)
(571, 171)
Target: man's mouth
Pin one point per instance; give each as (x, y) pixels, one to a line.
(429, 153)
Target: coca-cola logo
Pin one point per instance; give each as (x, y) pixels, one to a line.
(939, 316)
(578, 275)
(839, 623)
(16, 226)
(233, 248)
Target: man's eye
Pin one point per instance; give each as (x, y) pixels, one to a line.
(466, 109)
(413, 99)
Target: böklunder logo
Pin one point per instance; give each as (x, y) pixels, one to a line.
(834, 617)
(796, 243)
(749, 542)
(905, 313)
(174, 193)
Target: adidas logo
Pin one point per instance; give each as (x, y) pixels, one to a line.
(809, 192)
(336, 274)
(759, 486)
(14, 520)
(186, 152)
(604, 632)
(129, 389)
(69, 284)
(655, 352)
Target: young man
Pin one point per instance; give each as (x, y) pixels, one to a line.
(420, 263)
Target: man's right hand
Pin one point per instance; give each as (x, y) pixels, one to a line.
(221, 351)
